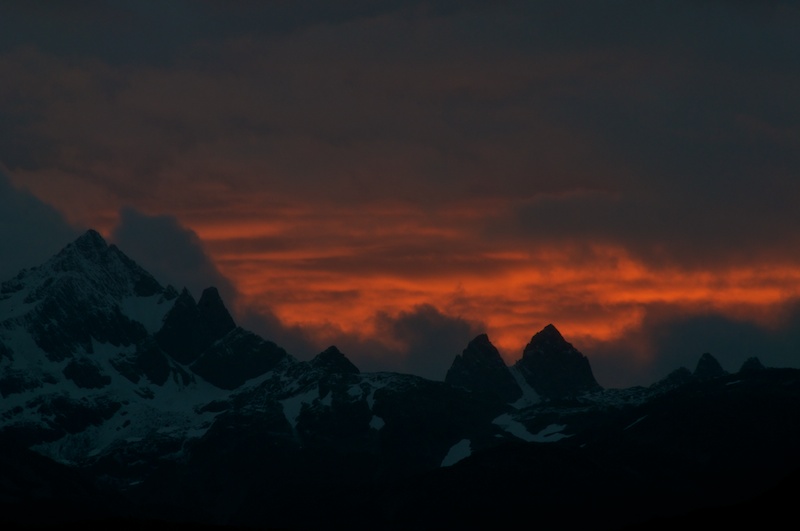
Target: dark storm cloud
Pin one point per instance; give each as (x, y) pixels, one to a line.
(175, 255)
(688, 227)
(667, 130)
(705, 129)
(163, 32)
(30, 230)
(422, 341)
(430, 339)
(682, 112)
(170, 252)
(671, 338)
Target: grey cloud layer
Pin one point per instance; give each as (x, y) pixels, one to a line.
(670, 129)
(30, 230)
(682, 114)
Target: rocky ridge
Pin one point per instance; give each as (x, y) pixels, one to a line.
(159, 396)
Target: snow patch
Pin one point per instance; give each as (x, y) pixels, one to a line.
(517, 429)
(551, 433)
(460, 450)
(529, 395)
(354, 391)
(293, 405)
(635, 422)
(376, 423)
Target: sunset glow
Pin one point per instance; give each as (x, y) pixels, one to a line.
(401, 176)
(513, 298)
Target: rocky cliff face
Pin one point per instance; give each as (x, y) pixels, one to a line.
(708, 368)
(554, 368)
(480, 368)
(101, 367)
(165, 399)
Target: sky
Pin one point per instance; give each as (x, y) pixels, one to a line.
(396, 177)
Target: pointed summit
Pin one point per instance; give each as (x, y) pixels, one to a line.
(89, 240)
(548, 336)
(191, 327)
(180, 332)
(217, 321)
(554, 368)
(708, 367)
(89, 247)
(104, 267)
(333, 361)
(479, 368)
(85, 295)
(751, 365)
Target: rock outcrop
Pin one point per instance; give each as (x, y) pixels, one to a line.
(554, 368)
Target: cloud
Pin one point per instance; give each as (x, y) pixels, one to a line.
(679, 154)
(667, 228)
(683, 338)
(429, 339)
(296, 340)
(112, 31)
(422, 341)
(31, 231)
(671, 337)
(170, 252)
(515, 162)
(175, 255)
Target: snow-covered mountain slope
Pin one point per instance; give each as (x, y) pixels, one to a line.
(103, 367)
(86, 276)
(97, 358)
(165, 399)
(80, 371)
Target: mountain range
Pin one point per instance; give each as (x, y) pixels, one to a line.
(124, 400)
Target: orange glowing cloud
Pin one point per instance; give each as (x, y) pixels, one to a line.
(469, 163)
(330, 268)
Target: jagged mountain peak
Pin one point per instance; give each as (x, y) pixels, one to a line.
(90, 247)
(333, 360)
(549, 342)
(482, 351)
(549, 335)
(751, 365)
(91, 239)
(481, 338)
(98, 266)
(184, 301)
(555, 368)
(708, 367)
(331, 352)
(209, 297)
(481, 368)
(214, 312)
(88, 292)
(191, 327)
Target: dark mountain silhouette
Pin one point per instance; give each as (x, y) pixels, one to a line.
(480, 368)
(752, 364)
(332, 360)
(125, 401)
(708, 367)
(554, 368)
